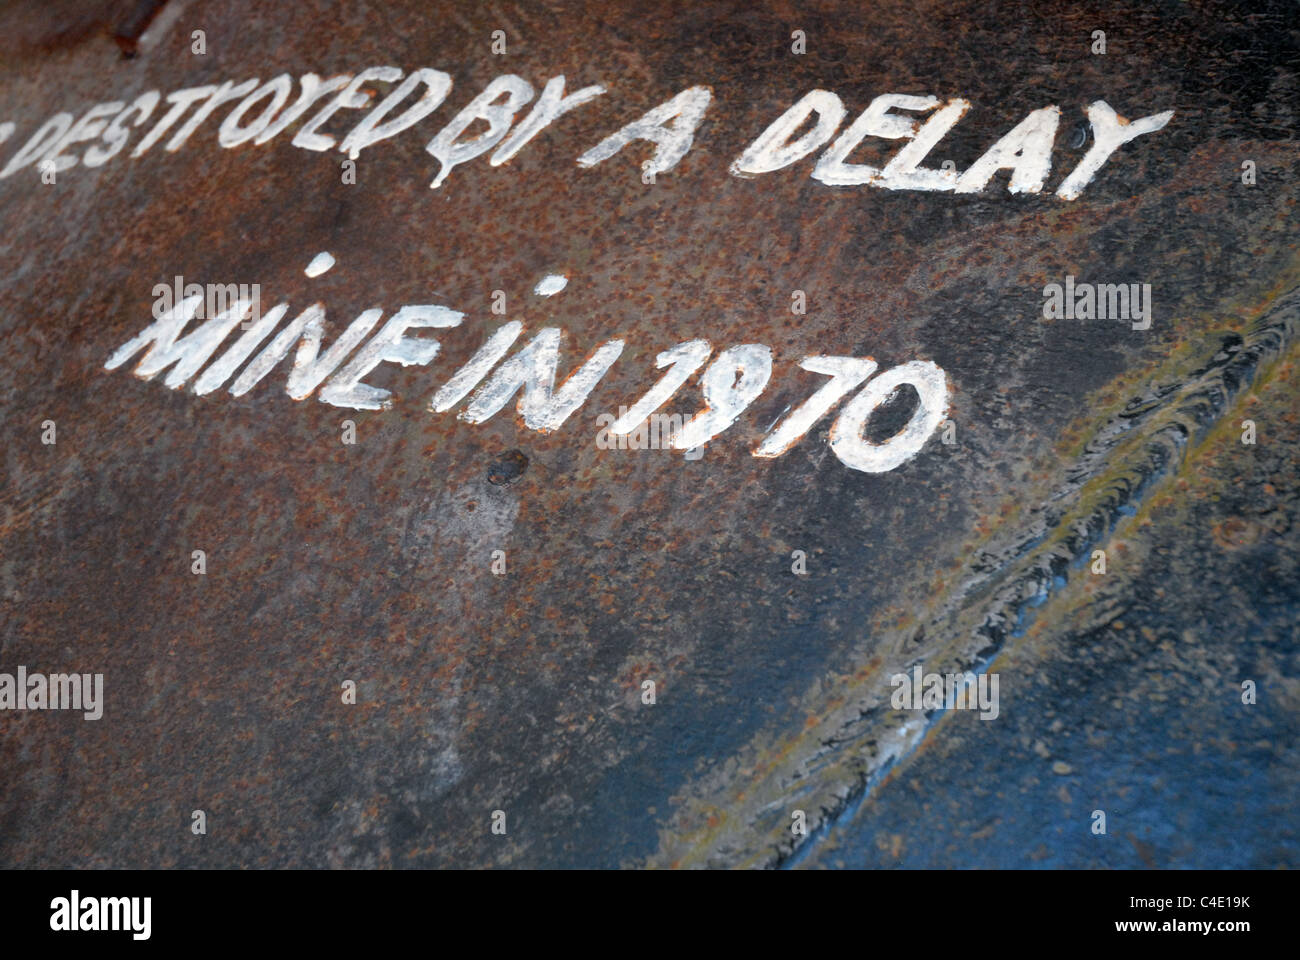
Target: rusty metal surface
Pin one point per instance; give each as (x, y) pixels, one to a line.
(522, 692)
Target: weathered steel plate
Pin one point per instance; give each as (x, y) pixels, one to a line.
(499, 595)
